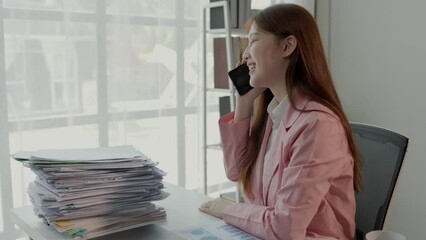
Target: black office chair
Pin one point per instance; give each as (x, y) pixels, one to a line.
(382, 153)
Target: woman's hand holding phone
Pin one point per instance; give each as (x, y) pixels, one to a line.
(244, 101)
(241, 79)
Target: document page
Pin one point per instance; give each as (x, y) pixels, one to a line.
(217, 231)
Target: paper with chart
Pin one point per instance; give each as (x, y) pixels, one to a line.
(217, 231)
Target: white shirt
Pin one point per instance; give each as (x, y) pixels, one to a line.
(276, 111)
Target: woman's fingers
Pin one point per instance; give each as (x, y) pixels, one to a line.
(240, 63)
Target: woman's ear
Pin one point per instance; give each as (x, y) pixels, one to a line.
(288, 45)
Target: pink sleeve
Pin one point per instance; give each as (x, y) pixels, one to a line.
(318, 153)
(234, 137)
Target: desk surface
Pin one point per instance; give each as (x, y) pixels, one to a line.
(181, 208)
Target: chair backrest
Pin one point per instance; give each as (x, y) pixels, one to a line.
(382, 153)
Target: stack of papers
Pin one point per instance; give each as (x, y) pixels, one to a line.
(86, 193)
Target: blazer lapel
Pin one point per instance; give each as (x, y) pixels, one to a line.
(292, 114)
(289, 118)
(261, 159)
(273, 163)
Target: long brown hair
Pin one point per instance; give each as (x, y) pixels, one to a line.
(307, 73)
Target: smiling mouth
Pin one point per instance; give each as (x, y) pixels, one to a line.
(252, 66)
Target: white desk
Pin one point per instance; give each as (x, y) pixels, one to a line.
(181, 208)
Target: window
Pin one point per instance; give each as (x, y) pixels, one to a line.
(89, 73)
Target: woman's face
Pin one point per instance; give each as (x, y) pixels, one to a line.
(265, 60)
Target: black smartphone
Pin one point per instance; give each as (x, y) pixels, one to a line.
(241, 79)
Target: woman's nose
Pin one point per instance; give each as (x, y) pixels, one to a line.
(245, 54)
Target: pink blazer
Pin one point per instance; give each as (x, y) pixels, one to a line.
(309, 192)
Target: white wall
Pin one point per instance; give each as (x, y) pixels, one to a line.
(377, 55)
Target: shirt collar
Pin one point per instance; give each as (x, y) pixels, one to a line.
(276, 110)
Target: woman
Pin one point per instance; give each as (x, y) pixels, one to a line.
(294, 156)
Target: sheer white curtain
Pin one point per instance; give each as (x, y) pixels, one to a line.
(308, 4)
(87, 73)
